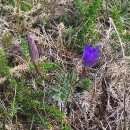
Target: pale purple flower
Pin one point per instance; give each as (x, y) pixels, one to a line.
(33, 49)
(90, 54)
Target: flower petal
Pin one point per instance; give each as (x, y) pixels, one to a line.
(86, 58)
(86, 54)
(95, 49)
(94, 56)
(87, 48)
(90, 55)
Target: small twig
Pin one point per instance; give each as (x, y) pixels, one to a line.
(120, 41)
(43, 30)
(33, 3)
(124, 111)
(13, 104)
(19, 10)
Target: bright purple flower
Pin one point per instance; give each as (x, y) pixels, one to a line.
(90, 54)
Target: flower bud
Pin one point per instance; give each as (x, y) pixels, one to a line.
(33, 50)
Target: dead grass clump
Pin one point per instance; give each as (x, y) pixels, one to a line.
(19, 70)
(118, 74)
(117, 80)
(2, 80)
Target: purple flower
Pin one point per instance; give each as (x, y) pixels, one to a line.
(33, 50)
(90, 54)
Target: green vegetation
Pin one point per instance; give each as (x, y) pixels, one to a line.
(25, 99)
(88, 14)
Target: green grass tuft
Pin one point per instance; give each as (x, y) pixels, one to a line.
(87, 14)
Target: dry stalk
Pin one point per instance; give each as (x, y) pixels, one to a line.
(120, 41)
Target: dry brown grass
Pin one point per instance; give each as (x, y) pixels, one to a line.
(106, 105)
